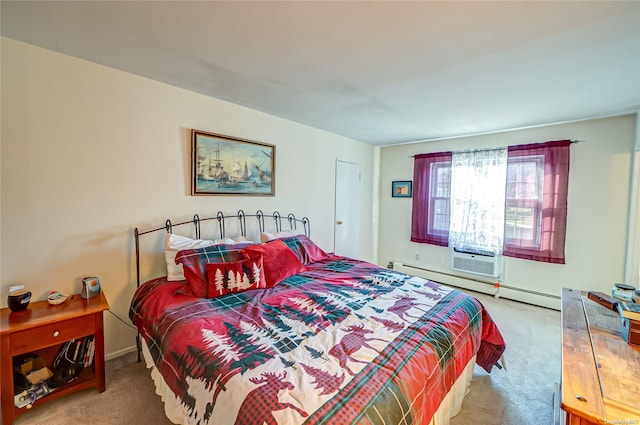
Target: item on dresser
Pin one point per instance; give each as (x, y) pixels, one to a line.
(90, 287)
(18, 298)
(630, 321)
(636, 296)
(629, 310)
(57, 297)
(604, 300)
(631, 332)
(622, 291)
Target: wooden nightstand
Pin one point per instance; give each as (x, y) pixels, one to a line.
(42, 329)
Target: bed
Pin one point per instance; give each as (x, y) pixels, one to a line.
(282, 332)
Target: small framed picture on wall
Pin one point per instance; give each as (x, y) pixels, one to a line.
(401, 189)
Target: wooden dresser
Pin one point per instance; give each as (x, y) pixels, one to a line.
(43, 329)
(600, 371)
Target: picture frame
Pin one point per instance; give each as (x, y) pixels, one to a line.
(401, 189)
(226, 165)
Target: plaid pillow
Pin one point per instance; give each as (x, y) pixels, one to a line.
(279, 262)
(236, 276)
(194, 263)
(305, 249)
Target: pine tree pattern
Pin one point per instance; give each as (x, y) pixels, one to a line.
(252, 354)
(234, 277)
(316, 354)
(287, 363)
(220, 345)
(429, 295)
(390, 324)
(324, 380)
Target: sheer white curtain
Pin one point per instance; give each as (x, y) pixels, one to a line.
(478, 181)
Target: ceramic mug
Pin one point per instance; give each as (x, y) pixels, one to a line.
(19, 300)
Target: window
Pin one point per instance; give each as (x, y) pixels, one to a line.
(478, 181)
(431, 185)
(535, 200)
(440, 191)
(547, 217)
(523, 201)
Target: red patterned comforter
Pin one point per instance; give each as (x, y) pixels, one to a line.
(344, 342)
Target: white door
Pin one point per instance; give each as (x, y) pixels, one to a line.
(347, 226)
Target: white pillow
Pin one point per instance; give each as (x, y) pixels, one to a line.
(173, 244)
(266, 237)
(241, 239)
(232, 241)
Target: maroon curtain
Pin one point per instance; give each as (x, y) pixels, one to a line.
(554, 202)
(420, 214)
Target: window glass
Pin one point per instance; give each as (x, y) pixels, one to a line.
(439, 198)
(523, 202)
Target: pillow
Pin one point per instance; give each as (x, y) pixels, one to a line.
(304, 248)
(278, 260)
(194, 263)
(173, 244)
(235, 276)
(231, 241)
(266, 237)
(242, 239)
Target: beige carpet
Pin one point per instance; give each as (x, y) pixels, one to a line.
(522, 395)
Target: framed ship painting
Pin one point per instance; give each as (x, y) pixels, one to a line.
(224, 165)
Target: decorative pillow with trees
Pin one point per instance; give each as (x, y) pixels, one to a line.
(236, 276)
(194, 263)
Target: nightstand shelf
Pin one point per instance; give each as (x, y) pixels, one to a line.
(42, 329)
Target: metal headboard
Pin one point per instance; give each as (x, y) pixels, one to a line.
(221, 219)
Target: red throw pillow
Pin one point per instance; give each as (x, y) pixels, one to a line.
(194, 263)
(305, 249)
(236, 276)
(278, 260)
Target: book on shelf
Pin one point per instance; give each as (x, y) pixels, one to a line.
(88, 355)
(629, 310)
(77, 351)
(83, 350)
(76, 354)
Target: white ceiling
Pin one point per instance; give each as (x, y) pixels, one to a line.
(379, 72)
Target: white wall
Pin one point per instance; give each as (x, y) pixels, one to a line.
(632, 269)
(89, 152)
(599, 193)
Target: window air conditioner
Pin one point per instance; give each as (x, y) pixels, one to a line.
(479, 262)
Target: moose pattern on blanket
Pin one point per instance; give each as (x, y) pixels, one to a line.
(344, 342)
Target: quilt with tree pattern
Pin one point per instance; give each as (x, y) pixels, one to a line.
(344, 342)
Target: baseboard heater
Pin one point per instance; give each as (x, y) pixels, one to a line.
(485, 286)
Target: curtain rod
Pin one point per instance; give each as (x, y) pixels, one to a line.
(500, 147)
